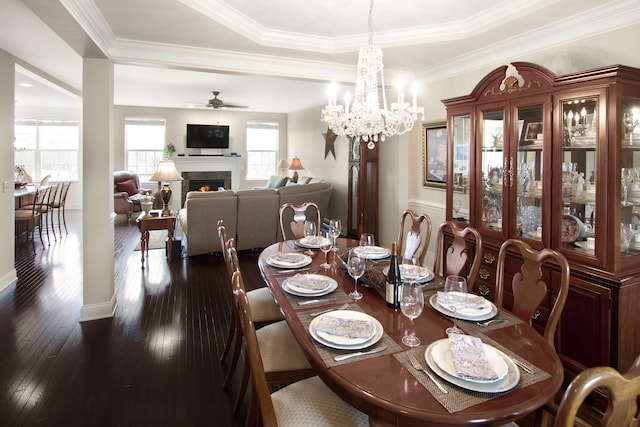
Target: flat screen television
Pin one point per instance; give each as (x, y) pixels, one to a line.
(207, 136)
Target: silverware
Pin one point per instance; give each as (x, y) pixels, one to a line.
(317, 313)
(491, 322)
(418, 367)
(312, 301)
(358, 353)
(524, 367)
(291, 270)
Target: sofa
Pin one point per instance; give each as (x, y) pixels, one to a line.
(251, 216)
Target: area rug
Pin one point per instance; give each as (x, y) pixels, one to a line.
(157, 240)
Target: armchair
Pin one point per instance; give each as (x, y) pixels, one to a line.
(127, 193)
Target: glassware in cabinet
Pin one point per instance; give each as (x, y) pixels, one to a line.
(461, 137)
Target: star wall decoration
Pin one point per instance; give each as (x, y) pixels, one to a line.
(329, 140)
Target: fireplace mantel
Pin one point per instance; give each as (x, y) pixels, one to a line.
(204, 164)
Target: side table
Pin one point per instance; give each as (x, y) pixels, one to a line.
(147, 223)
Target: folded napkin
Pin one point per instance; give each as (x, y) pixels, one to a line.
(313, 240)
(305, 281)
(288, 258)
(350, 328)
(473, 302)
(470, 359)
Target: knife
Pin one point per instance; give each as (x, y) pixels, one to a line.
(524, 367)
(358, 353)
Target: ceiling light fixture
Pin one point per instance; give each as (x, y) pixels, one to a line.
(364, 118)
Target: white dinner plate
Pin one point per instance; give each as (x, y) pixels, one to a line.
(289, 286)
(344, 343)
(372, 252)
(313, 242)
(288, 260)
(425, 274)
(443, 356)
(509, 381)
(466, 314)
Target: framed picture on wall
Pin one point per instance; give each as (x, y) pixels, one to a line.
(434, 154)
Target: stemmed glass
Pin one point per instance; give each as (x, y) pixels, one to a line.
(367, 239)
(355, 266)
(630, 122)
(325, 248)
(309, 231)
(411, 269)
(626, 174)
(411, 304)
(455, 295)
(335, 228)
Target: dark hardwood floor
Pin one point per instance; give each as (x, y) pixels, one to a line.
(154, 364)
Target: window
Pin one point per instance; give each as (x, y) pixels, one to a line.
(262, 147)
(47, 147)
(144, 142)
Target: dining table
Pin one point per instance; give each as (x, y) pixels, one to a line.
(384, 384)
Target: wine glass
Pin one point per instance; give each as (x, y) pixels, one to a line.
(411, 304)
(355, 266)
(455, 296)
(309, 231)
(335, 228)
(630, 122)
(325, 247)
(367, 239)
(410, 269)
(626, 175)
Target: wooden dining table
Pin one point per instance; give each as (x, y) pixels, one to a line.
(385, 385)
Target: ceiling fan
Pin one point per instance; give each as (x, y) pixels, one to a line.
(217, 103)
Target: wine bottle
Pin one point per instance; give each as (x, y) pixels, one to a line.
(392, 288)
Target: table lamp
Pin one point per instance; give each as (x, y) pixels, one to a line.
(282, 167)
(295, 166)
(166, 172)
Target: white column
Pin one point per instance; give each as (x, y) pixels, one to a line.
(7, 224)
(99, 300)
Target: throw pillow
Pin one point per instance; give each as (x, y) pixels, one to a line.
(127, 186)
(277, 181)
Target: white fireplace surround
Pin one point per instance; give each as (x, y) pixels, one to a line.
(203, 164)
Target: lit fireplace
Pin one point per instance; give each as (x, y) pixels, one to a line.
(195, 181)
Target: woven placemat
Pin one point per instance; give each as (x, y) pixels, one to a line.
(459, 398)
(472, 328)
(336, 297)
(327, 353)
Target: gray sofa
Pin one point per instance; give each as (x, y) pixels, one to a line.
(249, 215)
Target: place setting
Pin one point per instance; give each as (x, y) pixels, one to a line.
(289, 260)
(311, 290)
(347, 334)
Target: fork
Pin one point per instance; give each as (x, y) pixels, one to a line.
(317, 313)
(491, 322)
(418, 367)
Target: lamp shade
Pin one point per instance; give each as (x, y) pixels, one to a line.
(282, 164)
(296, 165)
(166, 171)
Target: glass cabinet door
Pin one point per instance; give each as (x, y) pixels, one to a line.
(461, 134)
(529, 200)
(579, 174)
(494, 170)
(630, 177)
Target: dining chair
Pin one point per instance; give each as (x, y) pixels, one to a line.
(305, 402)
(622, 391)
(528, 286)
(295, 216)
(31, 216)
(58, 205)
(45, 181)
(453, 259)
(414, 235)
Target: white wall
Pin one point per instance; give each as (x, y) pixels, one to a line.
(176, 130)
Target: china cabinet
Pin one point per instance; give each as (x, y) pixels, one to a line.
(555, 160)
(362, 211)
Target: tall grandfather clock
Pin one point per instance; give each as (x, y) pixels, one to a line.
(362, 215)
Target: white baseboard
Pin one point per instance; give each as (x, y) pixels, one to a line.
(8, 279)
(98, 311)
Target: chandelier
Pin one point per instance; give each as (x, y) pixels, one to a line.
(364, 118)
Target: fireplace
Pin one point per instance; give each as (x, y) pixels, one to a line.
(193, 181)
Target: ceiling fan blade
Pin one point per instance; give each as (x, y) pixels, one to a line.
(225, 105)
